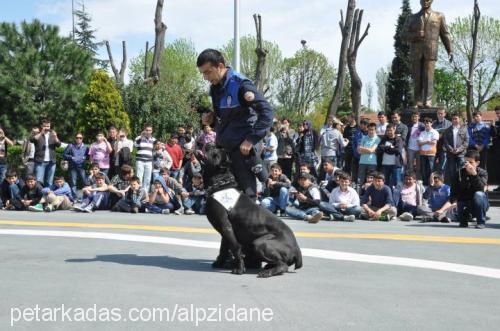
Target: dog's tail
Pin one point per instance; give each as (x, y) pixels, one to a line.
(298, 259)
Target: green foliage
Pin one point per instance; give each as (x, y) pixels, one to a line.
(248, 61)
(485, 74)
(306, 79)
(449, 89)
(85, 36)
(102, 107)
(399, 87)
(41, 74)
(170, 102)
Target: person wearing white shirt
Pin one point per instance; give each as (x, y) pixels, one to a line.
(344, 201)
(269, 149)
(382, 124)
(427, 141)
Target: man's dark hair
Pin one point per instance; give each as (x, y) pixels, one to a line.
(134, 179)
(212, 56)
(381, 113)
(472, 154)
(370, 173)
(30, 177)
(125, 169)
(276, 166)
(304, 164)
(94, 165)
(390, 126)
(164, 171)
(378, 175)
(325, 160)
(45, 121)
(415, 112)
(372, 125)
(11, 174)
(427, 120)
(343, 175)
(439, 175)
(364, 121)
(455, 115)
(99, 176)
(477, 113)
(410, 173)
(396, 112)
(59, 178)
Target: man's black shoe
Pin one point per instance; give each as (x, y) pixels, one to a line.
(480, 226)
(463, 225)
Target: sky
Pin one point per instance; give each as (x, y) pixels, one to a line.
(210, 23)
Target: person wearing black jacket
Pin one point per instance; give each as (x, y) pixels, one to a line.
(276, 191)
(30, 194)
(46, 143)
(468, 191)
(389, 156)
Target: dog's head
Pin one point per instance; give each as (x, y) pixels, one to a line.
(217, 169)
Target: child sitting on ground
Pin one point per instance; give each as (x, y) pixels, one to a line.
(134, 200)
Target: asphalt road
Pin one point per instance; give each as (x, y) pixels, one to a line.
(108, 271)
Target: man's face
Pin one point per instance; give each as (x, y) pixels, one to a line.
(327, 167)
(78, 139)
(437, 182)
(428, 125)
(426, 3)
(472, 162)
(455, 120)
(378, 183)
(123, 135)
(344, 183)
(390, 132)
(59, 182)
(304, 169)
(94, 170)
(372, 131)
(211, 73)
(30, 183)
(157, 145)
(46, 127)
(415, 118)
(11, 180)
(409, 181)
(197, 181)
(99, 182)
(478, 118)
(396, 119)
(286, 124)
(304, 182)
(441, 115)
(157, 185)
(181, 131)
(113, 133)
(134, 185)
(369, 179)
(165, 175)
(35, 131)
(148, 131)
(382, 119)
(172, 141)
(207, 129)
(99, 137)
(276, 173)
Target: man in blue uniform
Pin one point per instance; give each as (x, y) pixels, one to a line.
(241, 116)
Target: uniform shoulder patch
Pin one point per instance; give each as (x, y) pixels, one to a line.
(227, 198)
(249, 96)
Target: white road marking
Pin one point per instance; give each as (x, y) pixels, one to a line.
(309, 252)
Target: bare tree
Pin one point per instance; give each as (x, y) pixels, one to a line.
(160, 30)
(260, 70)
(119, 75)
(472, 62)
(354, 43)
(345, 28)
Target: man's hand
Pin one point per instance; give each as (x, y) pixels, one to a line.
(246, 147)
(301, 197)
(207, 118)
(184, 195)
(377, 214)
(343, 206)
(470, 169)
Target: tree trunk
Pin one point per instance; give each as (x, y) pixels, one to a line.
(345, 27)
(146, 60)
(119, 75)
(260, 70)
(160, 29)
(472, 62)
(354, 43)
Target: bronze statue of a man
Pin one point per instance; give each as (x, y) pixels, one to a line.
(422, 31)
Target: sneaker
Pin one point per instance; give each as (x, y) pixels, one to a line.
(480, 226)
(147, 211)
(406, 217)
(188, 211)
(134, 210)
(87, 209)
(384, 218)
(37, 208)
(315, 218)
(165, 211)
(331, 218)
(349, 218)
(445, 220)
(49, 208)
(179, 211)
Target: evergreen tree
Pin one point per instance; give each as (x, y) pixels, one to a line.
(399, 85)
(42, 74)
(102, 107)
(85, 36)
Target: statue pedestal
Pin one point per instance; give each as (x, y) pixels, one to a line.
(424, 112)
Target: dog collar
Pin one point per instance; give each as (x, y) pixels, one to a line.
(227, 198)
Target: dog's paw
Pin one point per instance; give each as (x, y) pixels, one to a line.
(266, 273)
(239, 267)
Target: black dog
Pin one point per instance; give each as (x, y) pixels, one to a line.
(246, 229)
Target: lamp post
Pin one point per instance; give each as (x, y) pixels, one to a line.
(236, 55)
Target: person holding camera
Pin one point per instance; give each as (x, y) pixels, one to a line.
(45, 143)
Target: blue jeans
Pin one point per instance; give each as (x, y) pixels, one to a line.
(477, 207)
(73, 179)
(427, 166)
(441, 158)
(271, 203)
(3, 171)
(197, 203)
(174, 174)
(45, 172)
(403, 207)
(301, 213)
(338, 214)
(392, 174)
(15, 197)
(144, 172)
(453, 164)
(158, 208)
(363, 170)
(100, 200)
